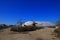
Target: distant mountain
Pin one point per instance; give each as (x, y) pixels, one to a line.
(29, 23)
(3, 26)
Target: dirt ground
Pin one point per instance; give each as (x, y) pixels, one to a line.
(42, 34)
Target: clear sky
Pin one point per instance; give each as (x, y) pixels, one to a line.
(41, 10)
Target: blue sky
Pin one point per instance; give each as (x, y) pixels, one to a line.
(41, 10)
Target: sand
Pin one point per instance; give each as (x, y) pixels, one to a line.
(42, 34)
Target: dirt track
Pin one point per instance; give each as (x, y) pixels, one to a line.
(42, 34)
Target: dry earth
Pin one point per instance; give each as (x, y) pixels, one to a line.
(42, 34)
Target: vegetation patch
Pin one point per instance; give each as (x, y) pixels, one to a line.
(24, 29)
(52, 26)
(57, 31)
